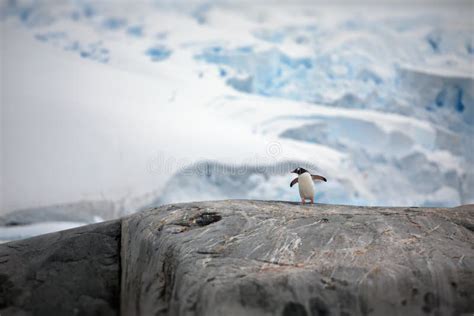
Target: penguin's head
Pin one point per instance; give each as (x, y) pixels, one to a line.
(299, 171)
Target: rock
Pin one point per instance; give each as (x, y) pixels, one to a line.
(73, 272)
(276, 258)
(249, 258)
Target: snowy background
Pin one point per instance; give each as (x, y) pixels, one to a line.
(109, 107)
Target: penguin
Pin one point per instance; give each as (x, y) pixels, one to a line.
(305, 184)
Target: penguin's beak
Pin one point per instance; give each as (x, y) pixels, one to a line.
(294, 171)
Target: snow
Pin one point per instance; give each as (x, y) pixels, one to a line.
(131, 103)
(10, 233)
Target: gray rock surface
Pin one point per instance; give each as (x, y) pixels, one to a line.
(73, 272)
(248, 258)
(276, 258)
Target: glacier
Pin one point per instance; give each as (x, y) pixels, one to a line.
(109, 109)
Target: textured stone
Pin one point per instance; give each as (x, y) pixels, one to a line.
(73, 272)
(249, 258)
(276, 258)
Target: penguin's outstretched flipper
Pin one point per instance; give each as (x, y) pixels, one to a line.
(316, 177)
(295, 180)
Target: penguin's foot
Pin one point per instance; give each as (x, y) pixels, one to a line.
(303, 201)
(312, 200)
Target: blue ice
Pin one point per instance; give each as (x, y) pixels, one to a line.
(158, 53)
(135, 30)
(114, 23)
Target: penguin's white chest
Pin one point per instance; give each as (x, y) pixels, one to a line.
(306, 186)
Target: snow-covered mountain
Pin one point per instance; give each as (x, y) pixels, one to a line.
(139, 104)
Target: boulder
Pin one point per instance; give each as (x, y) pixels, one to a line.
(278, 258)
(72, 272)
(242, 257)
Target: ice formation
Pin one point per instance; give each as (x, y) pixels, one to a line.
(122, 104)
